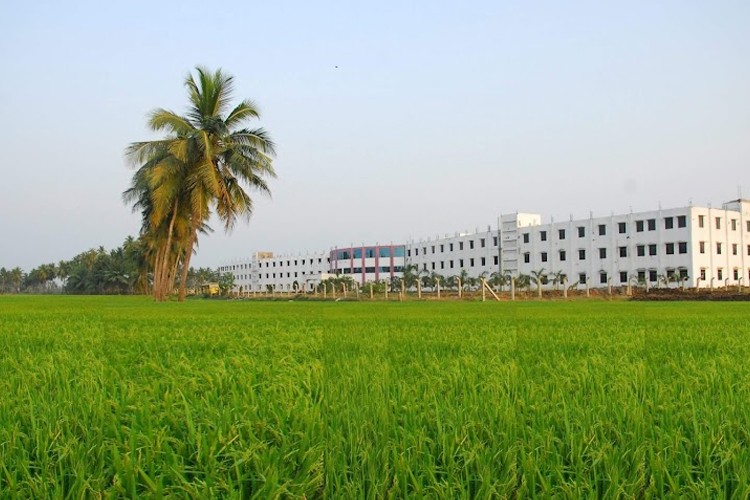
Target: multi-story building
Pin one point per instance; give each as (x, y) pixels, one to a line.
(703, 246)
(698, 246)
(279, 272)
(368, 263)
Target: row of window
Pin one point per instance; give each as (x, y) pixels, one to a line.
(622, 228)
(719, 248)
(369, 253)
(640, 226)
(239, 267)
(281, 275)
(669, 249)
(371, 270)
(717, 223)
(623, 276)
(482, 261)
(451, 247)
(720, 274)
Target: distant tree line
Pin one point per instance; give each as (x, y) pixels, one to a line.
(122, 271)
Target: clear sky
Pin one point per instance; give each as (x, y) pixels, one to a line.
(394, 120)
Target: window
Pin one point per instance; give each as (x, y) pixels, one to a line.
(641, 276)
(652, 275)
(442, 248)
(641, 250)
(668, 222)
(748, 249)
(525, 237)
(682, 247)
(623, 251)
(494, 241)
(495, 260)
(461, 263)
(561, 234)
(460, 245)
(471, 244)
(442, 264)
(602, 278)
(733, 222)
(639, 226)
(602, 253)
(563, 256)
(424, 251)
(652, 224)
(701, 223)
(581, 254)
(703, 274)
(581, 231)
(384, 252)
(483, 261)
(433, 266)
(683, 273)
(734, 248)
(543, 235)
(526, 257)
(652, 249)
(433, 249)
(623, 276)
(544, 256)
(736, 274)
(702, 247)
(482, 242)
(681, 221)
(670, 248)
(718, 248)
(718, 223)
(748, 226)
(720, 274)
(582, 278)
(622, 227)
(450, 247)
(602, 229)
(471, 262)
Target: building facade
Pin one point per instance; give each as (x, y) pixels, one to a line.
(701, 247)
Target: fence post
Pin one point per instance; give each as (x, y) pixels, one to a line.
(438, 288)
(512, 288)
(403, 290)
(460, 287)
(371, 297)
(484, 292)
(419, 289)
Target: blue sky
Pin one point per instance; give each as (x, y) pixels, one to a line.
(439, 116)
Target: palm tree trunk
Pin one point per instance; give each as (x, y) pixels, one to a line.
(157, 274)
(186, 261)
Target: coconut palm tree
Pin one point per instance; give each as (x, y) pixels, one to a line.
(540, 278)
(204, 163)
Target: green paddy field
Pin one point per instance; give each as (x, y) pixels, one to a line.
(118, 396)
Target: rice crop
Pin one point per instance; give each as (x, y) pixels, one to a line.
(118, 396)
